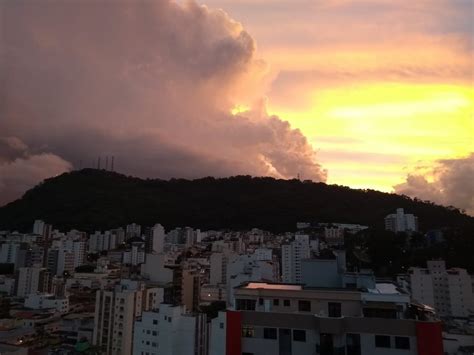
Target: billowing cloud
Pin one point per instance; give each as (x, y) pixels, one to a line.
(449, 183)
(24, 173)
(150, 82)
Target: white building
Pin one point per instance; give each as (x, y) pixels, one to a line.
(158, 239)
(401, 222)
(154, 268)
(38, 227)
(449, 291)
(9, 253)
(31, 280)
(116, 312)
(168, 330)
(134, 256)
(243, 268)
(47, 301)
(99, 242)
(292, 254)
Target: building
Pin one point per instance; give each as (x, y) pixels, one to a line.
(135, 256)
(401, 222)
(116, 311)
(191, 289)
(133, 230)
(218, 268)
(47, 301)
(157, 239)
(334, 236)
(9, 253)
(290, 319)
(170, 330)
(292, 254)
(32, 280)
(449, 291)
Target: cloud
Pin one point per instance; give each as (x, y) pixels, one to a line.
(150, 82)
(448, 183)
(24, 173)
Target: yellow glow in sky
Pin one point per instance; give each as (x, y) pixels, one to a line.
(367, 135)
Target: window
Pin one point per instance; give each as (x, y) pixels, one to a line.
(169, 319)
(155, 321)
(286, 303)
(304, 306)
(276, 302)
(334, 309)
(402, 343)
(221, 325)
(260, 301)
(248, 332)
(269, 333)
(245, 305)
(154, 333)
(382, 341)
(154, 344)
(299, 335)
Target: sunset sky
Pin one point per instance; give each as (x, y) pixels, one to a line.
(379, 87)
(365, 93)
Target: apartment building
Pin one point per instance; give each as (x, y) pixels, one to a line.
(170, 330)
(449, 291)
(116, 311)
(289, 319)
(292, 254)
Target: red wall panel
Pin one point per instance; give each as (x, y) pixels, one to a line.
(233, 345)
(430, 338)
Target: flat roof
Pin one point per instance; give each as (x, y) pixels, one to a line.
(271, 286)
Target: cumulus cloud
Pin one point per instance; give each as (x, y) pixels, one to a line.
(24, 173)
(150, 82)
(449, 183)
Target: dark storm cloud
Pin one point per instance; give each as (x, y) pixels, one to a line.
(150, 82)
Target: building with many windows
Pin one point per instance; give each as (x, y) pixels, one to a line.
(401, 222)
(449, 291)
(291, 256)
(170, 330)
(291, 320)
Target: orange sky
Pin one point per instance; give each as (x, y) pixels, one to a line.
(379, 87)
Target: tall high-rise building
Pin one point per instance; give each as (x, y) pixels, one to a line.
(157, 239)
(401, 222)
(133, 230)
(116, 312)
(32, 280)
(291, 257)
(218, 270)
(449, 291)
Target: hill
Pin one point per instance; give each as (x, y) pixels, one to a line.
(93, 199)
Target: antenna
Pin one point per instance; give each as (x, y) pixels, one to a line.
(112, 164)
(106, 162)
(98, 163)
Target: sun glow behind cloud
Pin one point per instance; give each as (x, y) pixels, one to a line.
(368, 135)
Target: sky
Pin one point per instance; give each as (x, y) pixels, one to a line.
(365, 93)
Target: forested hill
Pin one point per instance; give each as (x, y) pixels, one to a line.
(92, 199)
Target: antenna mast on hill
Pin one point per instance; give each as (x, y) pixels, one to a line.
(106, 162)
(112, 164)
(98, 163)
